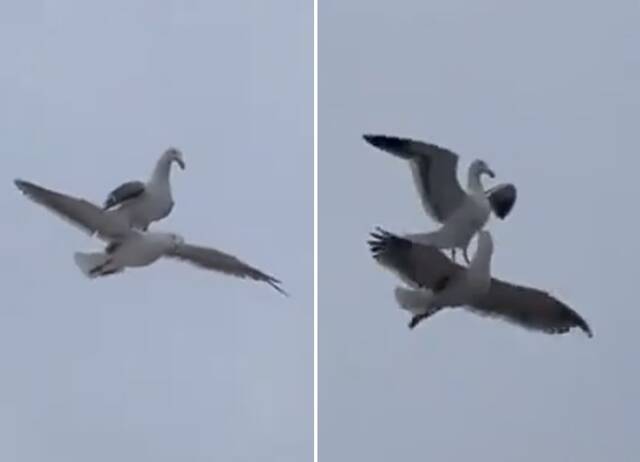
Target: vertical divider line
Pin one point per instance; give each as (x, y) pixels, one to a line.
(315, 230)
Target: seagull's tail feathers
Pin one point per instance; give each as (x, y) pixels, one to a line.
(95, 264)
(414, 301)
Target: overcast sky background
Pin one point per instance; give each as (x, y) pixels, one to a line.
(547, 93)
(170, 363)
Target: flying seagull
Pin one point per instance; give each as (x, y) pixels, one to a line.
(461, 213)
(129, 247)
(436, 283)
(143, 203)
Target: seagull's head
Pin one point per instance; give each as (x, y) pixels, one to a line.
(175, 155)
(480, 167)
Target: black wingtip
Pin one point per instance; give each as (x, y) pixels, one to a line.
(383, 141)
(27, 188)
(273, 282)
(378, 241)
(392, 144)
(276, 285)
(582, 324)
(381, 241)
(575, 320)
(20, 184)
(379, 141)
(502, 199)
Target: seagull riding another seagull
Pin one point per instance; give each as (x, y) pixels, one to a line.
(128, 247)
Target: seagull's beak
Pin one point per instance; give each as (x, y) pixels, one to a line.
(180, 162)
(490, 173)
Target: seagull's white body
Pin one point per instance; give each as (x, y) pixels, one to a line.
(143, 248)
(145, 203)
(137, 249)
(464, 288)
(130, 247)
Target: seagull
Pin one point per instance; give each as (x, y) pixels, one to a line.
(461, 213)
(129, 247)
(143, 203)
(436, 283)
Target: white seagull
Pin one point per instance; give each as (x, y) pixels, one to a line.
(129, 247)
(143, 203)
(438, 283)
(461, 213)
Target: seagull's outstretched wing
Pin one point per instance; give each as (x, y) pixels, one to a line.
(502, 198)
(123, 193)
(416, 264)
(434, 173)
(213, 259)
(530, 308)
(79, 212)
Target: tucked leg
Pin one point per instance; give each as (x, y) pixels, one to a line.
(104, 270)
(417, 319)
(466, 255)
(98, 270)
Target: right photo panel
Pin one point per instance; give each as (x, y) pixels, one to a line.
(477, 231)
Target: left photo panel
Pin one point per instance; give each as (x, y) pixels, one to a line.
(157, 247)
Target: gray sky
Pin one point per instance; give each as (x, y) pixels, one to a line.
(169, 363)
(547, 93)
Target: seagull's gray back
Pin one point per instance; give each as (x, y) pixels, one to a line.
(124, 192)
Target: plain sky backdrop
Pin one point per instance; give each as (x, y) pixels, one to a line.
(167, 363)
(547, 93)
